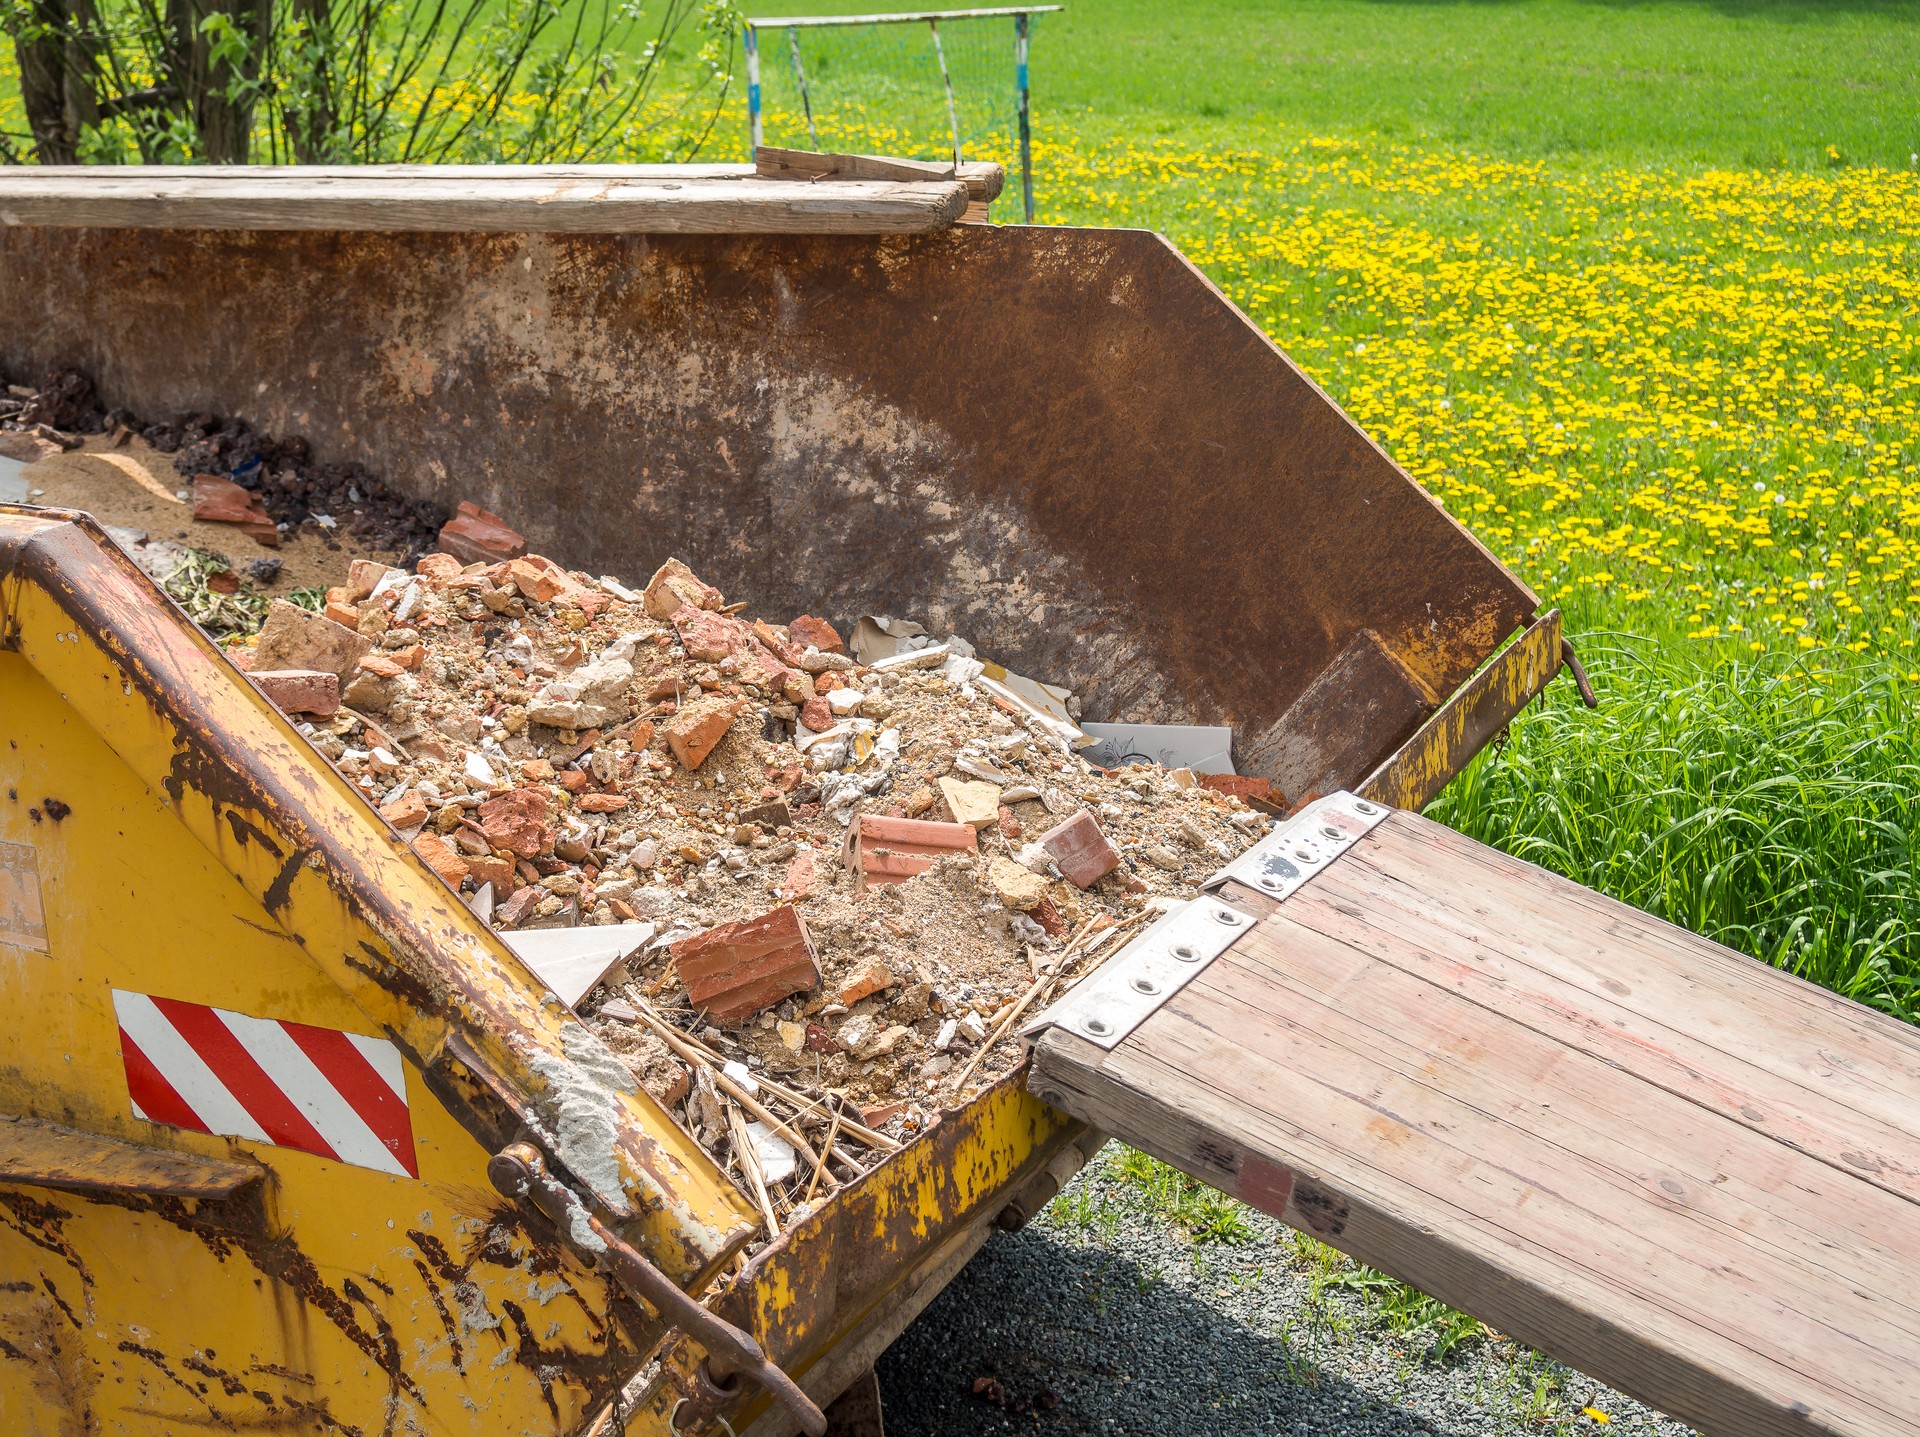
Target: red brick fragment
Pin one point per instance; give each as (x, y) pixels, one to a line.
(708, 636)
(601, 803)
(820, 1039)
(881, 1113)
(798, 883)
(1009, 825)
(892, 850)
(1236, 785)
(380, 666)
(872, 977)
(407, 811)
(515, 910)
(674, 586)
(438, 566)
(301, 691)
(536, 578)
(363, 576)
(518, 821)
(497, 871)
(695, 731)
(738, 969)
(224, 582)
(440, 858)
(475, 536)
(1048, 917)
(1081, 850)
(817, 715)
(807, 631)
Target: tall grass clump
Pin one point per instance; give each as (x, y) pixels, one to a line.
(1764, 803)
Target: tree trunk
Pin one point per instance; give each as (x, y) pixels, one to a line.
(58, 76)
(218, 97)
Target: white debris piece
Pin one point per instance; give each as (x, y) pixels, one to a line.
(775, 1154)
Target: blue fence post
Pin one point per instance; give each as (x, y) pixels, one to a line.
(753, 84)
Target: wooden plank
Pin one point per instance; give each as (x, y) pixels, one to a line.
(1680, 1036)
(984, 181)
(1673, 1167)
(45, 1155)
(527, 200)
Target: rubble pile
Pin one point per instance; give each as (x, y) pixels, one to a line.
(838, 883)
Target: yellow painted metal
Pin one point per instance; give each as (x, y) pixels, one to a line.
(165, 831)
(1478, 710)
(838, 1270)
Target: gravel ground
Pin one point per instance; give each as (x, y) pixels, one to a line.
(1103, 1317)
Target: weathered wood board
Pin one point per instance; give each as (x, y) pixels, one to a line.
(1676, 1168)
(510, 199)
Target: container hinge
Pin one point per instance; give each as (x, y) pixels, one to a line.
(1123, 992)
(1302, 845)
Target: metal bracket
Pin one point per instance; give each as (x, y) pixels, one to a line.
(1302, 846)
(1127, 989)
(1123, 992)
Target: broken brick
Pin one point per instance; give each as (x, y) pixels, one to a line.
(696, 730)
(300, 691)
(345, 615)
(407, 811)
(1048, 917)
(475, 536)
(363, 577)
(1081, 850)
(441, 858)
(809, 632)
(1238, 785)
(892, 850)
(674, 587)
(708, 636)
(536, 578)
(380, 666)
(488, 869)
(1010, 825)
(438, 566)
(816, 714)
(517, 821)
(798, 883)
(515, 910)
(820, 1039)
(296, 638)
(880, 1113)
(601, 803)
(740, 968)
(873, 977)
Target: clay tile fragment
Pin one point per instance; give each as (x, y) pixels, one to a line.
(1081, 850)
(221, 501)
(696, 730)
(475, 536)
(891, 850)
(738, 969)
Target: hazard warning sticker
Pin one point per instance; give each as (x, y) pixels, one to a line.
(336, 1095)
(23, 921)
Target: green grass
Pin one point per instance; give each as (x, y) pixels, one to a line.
(1748, 82)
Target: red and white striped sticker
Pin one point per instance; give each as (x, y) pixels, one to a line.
(337, 1095)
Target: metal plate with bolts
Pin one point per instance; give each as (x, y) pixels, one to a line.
(1303, 845)
(1124, 992)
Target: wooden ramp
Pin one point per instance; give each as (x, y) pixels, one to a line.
(1673, 1167)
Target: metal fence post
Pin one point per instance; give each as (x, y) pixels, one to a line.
(752, 37)
(1026, 127)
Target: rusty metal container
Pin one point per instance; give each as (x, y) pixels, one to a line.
(1063, 443)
